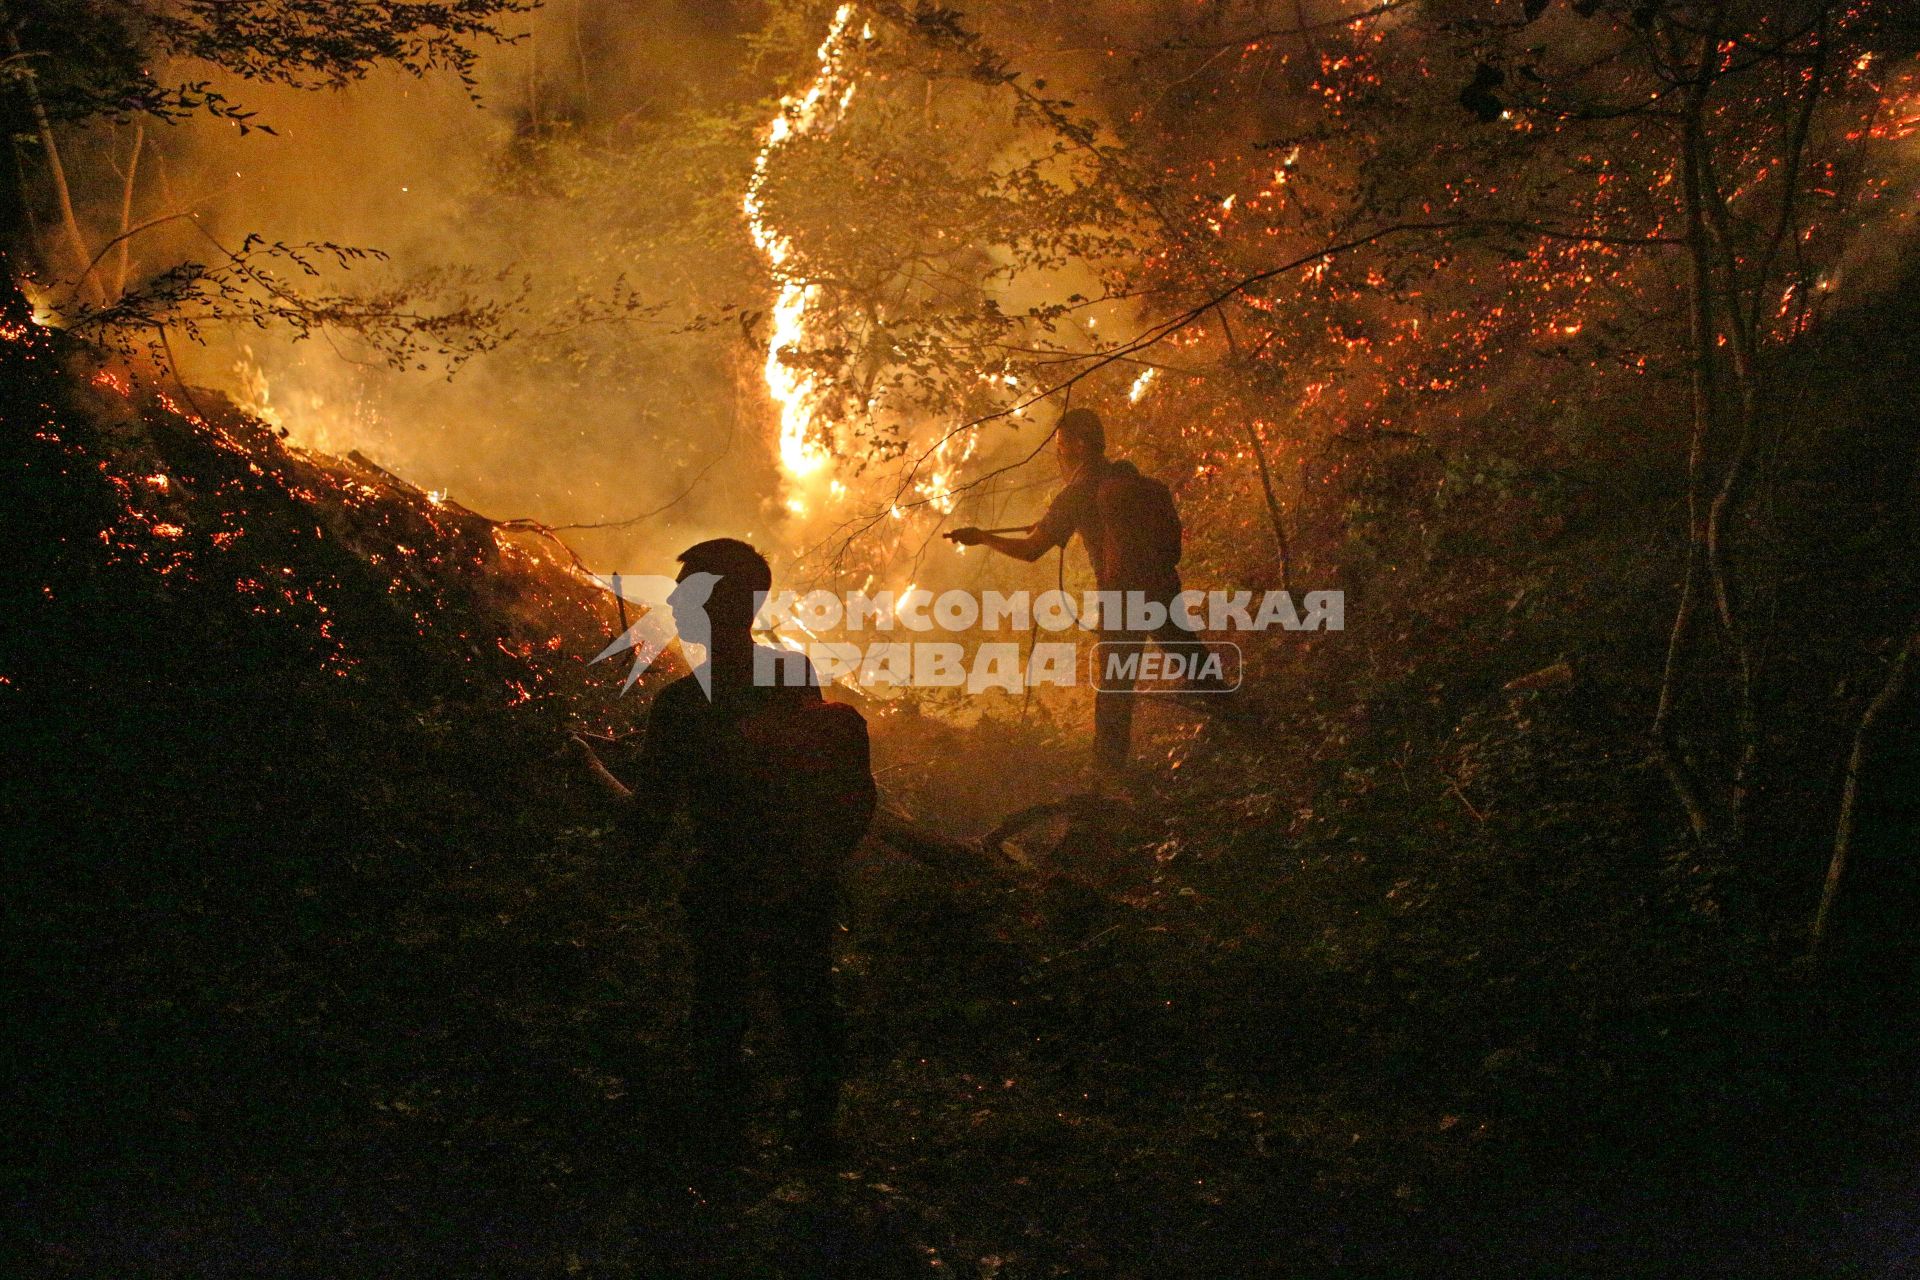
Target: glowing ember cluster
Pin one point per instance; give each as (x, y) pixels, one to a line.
(205, 499)
(1531, 257)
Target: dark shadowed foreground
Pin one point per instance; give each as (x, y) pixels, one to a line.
(329, 964)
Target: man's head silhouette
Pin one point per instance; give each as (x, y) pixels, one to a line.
(720, 586)
(1079, 438)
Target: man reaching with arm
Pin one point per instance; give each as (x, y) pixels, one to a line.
(1131, 533)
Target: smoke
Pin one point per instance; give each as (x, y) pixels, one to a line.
(543, 187)
(571, 181)
(595, 178)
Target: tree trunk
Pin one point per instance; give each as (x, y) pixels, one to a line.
(963, 859)
(1890, 690)
(1729, 593)
(86, 285)
(1680, 775)
(1274, 516)
(126, 211)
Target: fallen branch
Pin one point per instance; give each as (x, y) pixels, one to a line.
(1085, 805)
(972, 859)
(1460, 795)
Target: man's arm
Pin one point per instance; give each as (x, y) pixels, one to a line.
(645, 822)
(1050, 531)
(1028, 547)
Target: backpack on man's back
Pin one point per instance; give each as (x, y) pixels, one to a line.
(1142, 537)
(813, 760)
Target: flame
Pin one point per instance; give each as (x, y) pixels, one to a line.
(309, 419)
(807, 429)
(937, 488)
(253, 393)
(1140, 385)
(818, 108)
(41, 303)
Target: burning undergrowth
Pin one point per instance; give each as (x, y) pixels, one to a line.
(361, 563)
(287, 793)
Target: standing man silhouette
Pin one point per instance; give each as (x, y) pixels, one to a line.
(778, 787)
(1131, 532)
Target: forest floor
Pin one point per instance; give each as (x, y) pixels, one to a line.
(1047, 1081)
(336, 967)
